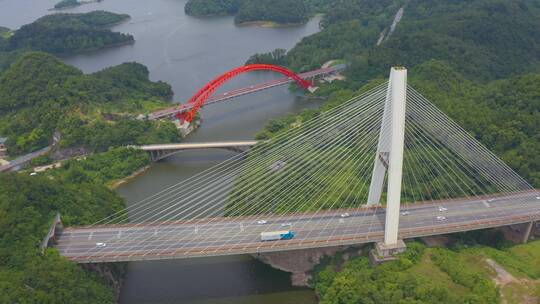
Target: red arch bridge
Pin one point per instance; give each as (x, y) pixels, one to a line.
(206, 95)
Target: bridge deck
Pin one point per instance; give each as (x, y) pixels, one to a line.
(242, 236)
(190, 146)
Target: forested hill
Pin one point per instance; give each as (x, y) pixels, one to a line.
(202, 8)
(4, 36)
(482, 39)
(40, 95)
(69, 33)
(478, 60)
(277, 11)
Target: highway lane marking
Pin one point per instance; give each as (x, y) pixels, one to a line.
(250, 242)
(208, 240)
(203, 247)
(192, 248)
(102, 230)
(212, 235)
(455, 216)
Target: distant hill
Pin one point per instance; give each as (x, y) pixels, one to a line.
(277, 11)
(482, 39)
(205, 8)
(72, 3)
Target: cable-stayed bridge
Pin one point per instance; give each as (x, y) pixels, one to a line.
(384, 166)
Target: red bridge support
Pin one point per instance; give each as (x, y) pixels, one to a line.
(205, 92)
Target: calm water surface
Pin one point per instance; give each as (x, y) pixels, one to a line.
(187, 52)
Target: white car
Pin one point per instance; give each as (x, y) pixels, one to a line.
(286, 224)
(442, 209)
(261, 222)
(491, 200)
(538, 197)
(404, 213)
(344, 215)
(441, 218)
(101, 244)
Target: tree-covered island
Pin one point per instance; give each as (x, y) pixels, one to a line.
(70, 33)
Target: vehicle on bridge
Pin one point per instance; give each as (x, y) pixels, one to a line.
(277, 235)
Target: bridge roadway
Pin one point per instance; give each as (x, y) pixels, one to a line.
(161, 151)
(242, 91)
(200, 238)
(197, 146)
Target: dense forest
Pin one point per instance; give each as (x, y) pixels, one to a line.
(27, 206)
(69, 33)
(40, 95)
(496, 98)
(277, 57)
(5, 33)
(203, 8)
(433, 275)
(278, 11)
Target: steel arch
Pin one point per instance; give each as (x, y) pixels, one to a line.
(205, 92)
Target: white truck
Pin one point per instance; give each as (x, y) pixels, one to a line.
(277, 235)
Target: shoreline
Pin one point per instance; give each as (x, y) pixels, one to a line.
(269, 24)
(97, 49)
(117, 183)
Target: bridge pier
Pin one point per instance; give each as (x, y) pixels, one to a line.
(527, 232)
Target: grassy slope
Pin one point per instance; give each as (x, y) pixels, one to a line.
(432, 280)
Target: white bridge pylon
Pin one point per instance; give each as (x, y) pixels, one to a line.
(389, 157)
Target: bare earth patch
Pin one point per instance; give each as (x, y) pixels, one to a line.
(514, 290)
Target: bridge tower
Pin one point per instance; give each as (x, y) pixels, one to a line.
(389, 159)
